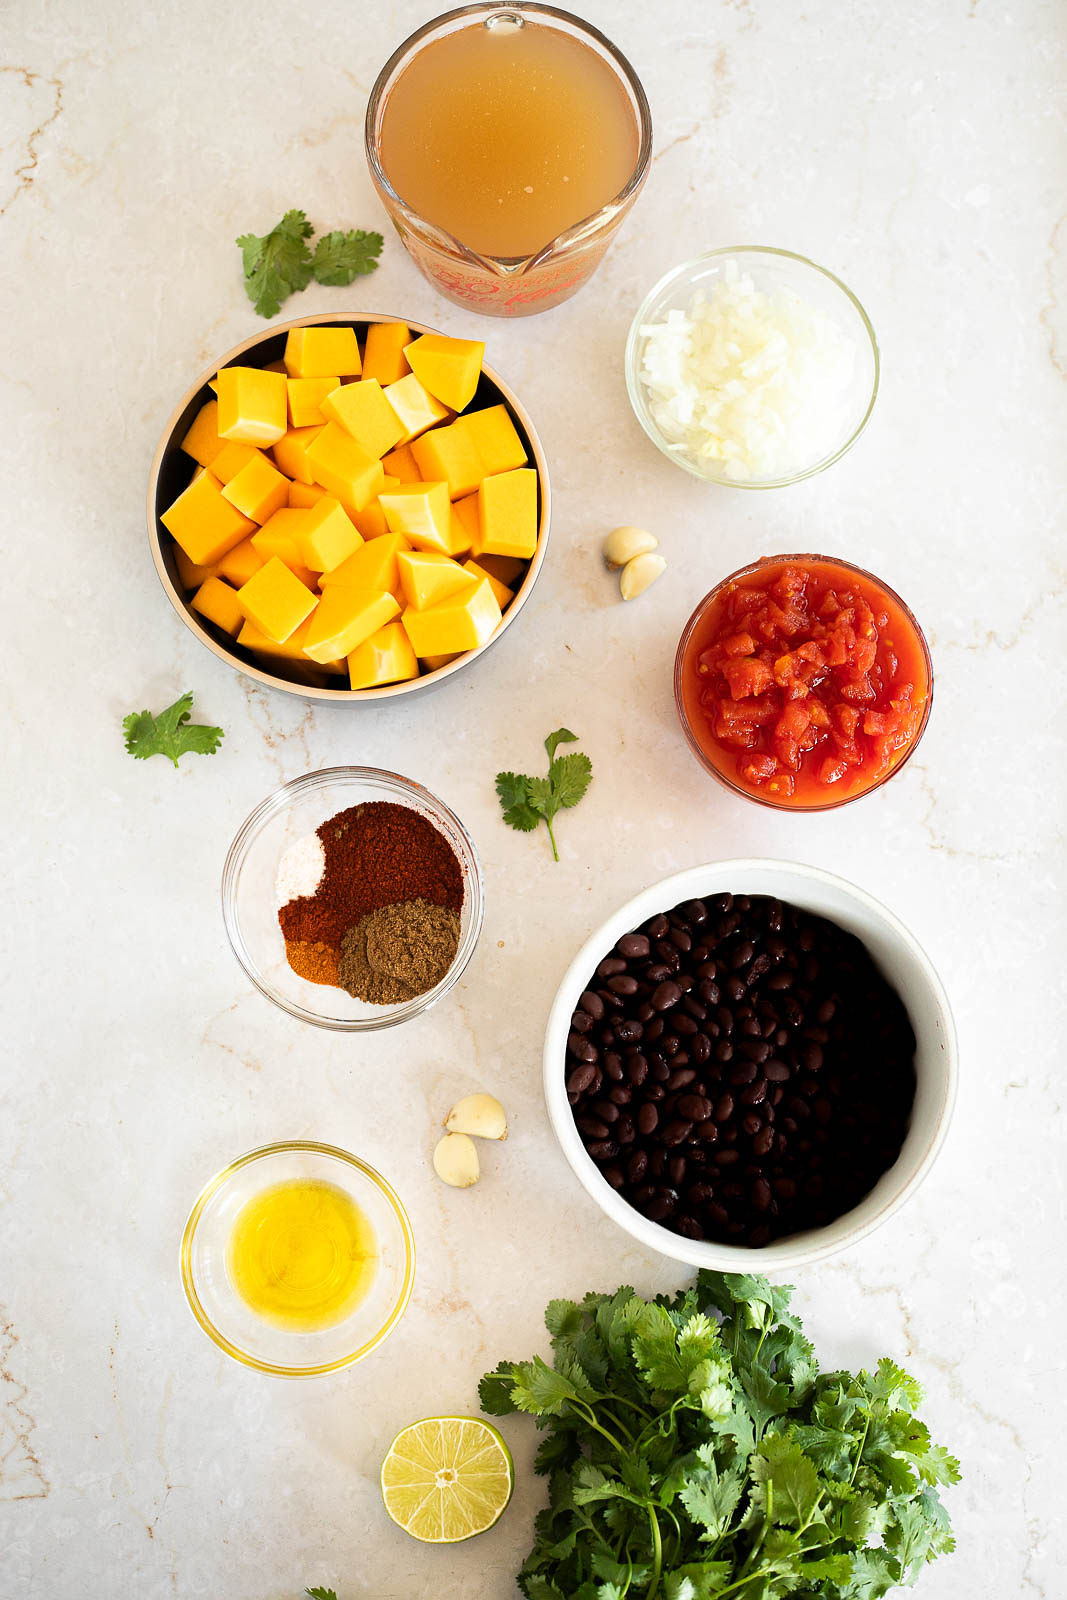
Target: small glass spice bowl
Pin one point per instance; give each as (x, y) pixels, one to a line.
(250, 899)
(232, 1324)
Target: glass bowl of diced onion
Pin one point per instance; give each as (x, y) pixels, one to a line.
(752, 367)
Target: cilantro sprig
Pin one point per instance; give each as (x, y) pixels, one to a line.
(279, 263)
(320, 1594)
(529, 801)
(695, 1452)
(169, 734)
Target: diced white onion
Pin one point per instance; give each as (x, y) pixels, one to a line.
(754, 382)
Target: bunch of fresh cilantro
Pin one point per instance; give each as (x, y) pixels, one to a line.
(695, 1452)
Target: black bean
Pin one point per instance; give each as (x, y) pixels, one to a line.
(724, 1051)
(655, 1091)
(620, 1095)
(735, 987)
(592, 1127)
(629, 1031)
(676, 1170)
(581, 1022)
(755, 1049)
(681, 1078)
(695, 1107)
(743, 1072)
(763, 1141)
(581, 1079)
(755, 1093)
(581, 1049)
(613, 1068)
(610, 966)
(603, 1150)
(636, 1069)
(812, 1057)
(780, 980)
(665, 995)
(624, 1130)
(675, 1131)
(700, 1048)
(623, 984)
(657, 927)
(708, 990)
(776, 1071)
(724, 1108)
(707, 1132)
(637, 1166)
(592, 1004)
(633, 946)
(648, 1119)
(694, 911)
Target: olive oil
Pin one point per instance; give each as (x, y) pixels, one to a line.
(302, 1255)
(506, 135)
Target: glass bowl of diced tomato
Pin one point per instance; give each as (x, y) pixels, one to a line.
(803, 682)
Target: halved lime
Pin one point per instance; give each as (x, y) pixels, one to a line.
(447, 1478)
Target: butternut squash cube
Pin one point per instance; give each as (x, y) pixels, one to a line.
(431, 663)
(318, 352)
(291, 649)
(305, 397)
(462, 622)
(258, 490)
(386, 657)
(238, 564)
(362, 410)
(506, 569)
(217, 602)
(448, 454)
(507, 514)
(422, 512)
(373, 567)
(400, 464)
(415, 406)
(202, 441)
(282, 536)
(343, 469)
(504, 595)
(252, 405)
(383, 357)
(427, 577)
(465, 525)
(276, 601)
(190, 574)
(203, 523)
(327, 536)
(290, 453)
(449, 368)
(302, 495)
(344, 618)
(232, 459)
(494, 438)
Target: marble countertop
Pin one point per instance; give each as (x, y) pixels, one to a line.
(916, 150)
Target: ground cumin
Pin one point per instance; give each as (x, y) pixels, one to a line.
(398, 952)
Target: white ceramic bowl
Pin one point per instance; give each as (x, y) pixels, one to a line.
(902, 961)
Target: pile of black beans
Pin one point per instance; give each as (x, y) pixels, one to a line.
(739, 1069)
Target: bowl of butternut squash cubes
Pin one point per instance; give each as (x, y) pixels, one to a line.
(349, 508)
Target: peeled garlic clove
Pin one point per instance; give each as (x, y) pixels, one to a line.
(622, 544)
(479, 1115)
(455, 1161)
(637, 574)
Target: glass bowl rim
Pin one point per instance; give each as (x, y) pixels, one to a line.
(212, 1187)
(690, 627)
(635, 389)
(278, 801)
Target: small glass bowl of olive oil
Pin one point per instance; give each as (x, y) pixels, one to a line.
(298, 1259)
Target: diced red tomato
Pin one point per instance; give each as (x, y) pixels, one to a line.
(804, 678)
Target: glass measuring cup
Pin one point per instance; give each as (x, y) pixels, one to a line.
(496, 284)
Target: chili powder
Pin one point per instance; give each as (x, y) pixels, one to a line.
(376, 854)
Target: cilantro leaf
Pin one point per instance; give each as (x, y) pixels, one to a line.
(561, 736)
(321, 1594)
(570, 777)
(340, 257)
(277, 263)
(527, 801)
(169, 734)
